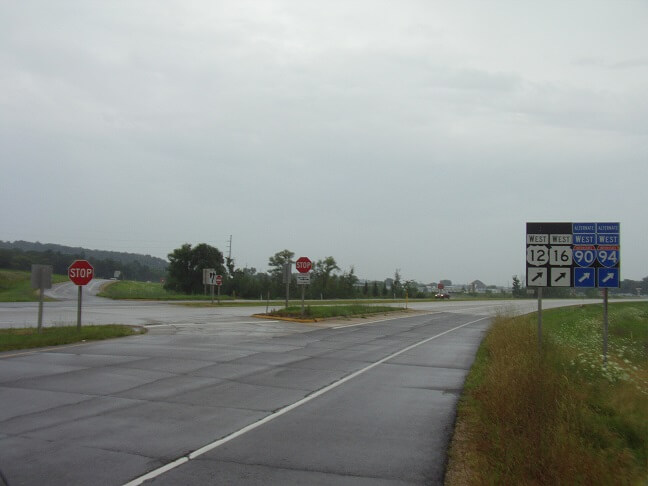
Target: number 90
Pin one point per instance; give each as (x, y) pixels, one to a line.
(584, 258)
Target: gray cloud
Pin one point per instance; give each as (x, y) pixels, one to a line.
(415, 136)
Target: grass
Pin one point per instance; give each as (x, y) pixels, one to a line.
(330, 311)
(128, 289)
(26, 338)
(559, 416)
(15, 286)
(125, 289)
(131, 290)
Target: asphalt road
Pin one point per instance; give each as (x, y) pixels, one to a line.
(217, 397)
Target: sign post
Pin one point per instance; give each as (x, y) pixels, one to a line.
(574, 255)
(539, 318)
(287, 277)
(219, 282)
(211, 278)
(80, 273)
(41, 279)
(303, 265)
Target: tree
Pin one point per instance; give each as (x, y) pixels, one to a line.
(278, 260)
(276, 264)
(186, 265)
(517, 286)
(347, 283)
(247, 283)
(322, 273)
(396, 285)
(411, 287)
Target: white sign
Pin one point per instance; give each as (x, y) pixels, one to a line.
(560, 256)
(303, 278)
(209, 276)
(562, 239)
(537, 277)
(560, 277)
(537, 255)
(537, 239)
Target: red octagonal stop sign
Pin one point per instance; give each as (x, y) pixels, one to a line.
(303, 264)
(80, 272)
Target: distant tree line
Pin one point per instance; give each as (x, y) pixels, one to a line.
(16, 259)
(90, 255)
(328, 281)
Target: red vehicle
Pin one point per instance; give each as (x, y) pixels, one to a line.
(442, 295)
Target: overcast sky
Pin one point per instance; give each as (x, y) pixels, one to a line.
(411, 135)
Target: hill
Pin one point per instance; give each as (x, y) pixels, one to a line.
(121, 257)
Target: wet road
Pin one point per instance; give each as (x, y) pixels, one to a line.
(213, 396)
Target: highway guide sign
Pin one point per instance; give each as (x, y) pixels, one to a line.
(580, 255)
(80, 272)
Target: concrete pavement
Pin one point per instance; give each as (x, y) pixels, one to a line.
(111, 412)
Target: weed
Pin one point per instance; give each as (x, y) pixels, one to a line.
(559, 416)
(29, 337)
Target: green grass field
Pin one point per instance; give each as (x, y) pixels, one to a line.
(128, 289)
(15, 286)
(560, 416)
(26, 338)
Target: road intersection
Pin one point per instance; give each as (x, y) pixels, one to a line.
(213, 396)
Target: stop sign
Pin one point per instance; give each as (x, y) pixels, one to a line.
(80, 272)
(303, 265)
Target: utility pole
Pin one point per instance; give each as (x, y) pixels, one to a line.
(229, 248)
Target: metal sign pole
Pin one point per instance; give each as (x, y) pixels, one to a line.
(539, 318)
(212, 294)
(79, 308)
(40, 308)
(302, 309)
(41, 279)
(287, 293)
(287, 268)
(605, 325)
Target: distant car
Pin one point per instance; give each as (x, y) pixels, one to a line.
(442, 295)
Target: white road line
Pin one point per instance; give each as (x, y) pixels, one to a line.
(384, 320)
(209, 447)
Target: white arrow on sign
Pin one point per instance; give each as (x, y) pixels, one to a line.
(608, 277)
(586, 276)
